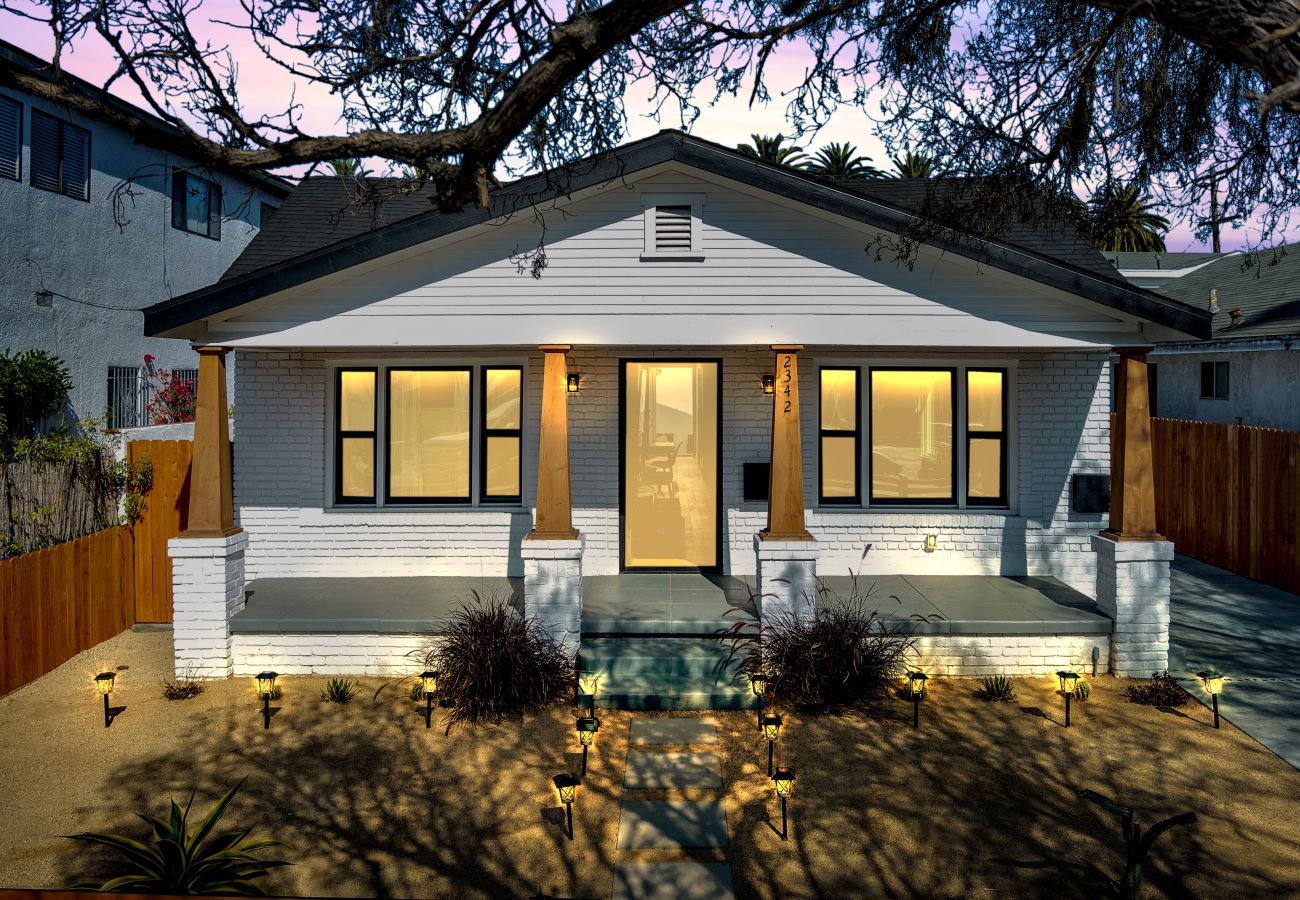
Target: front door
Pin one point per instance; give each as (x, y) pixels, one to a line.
(670, 485)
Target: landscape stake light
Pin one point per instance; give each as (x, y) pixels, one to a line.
(1069, 681)
(589, 684)
(1213, 682)
(916, 690)
(104, 681)
(758, 683)
(587, 728)
(567, 787)
(784, 781)
(265, 687)
(771, 730)
(428, 684)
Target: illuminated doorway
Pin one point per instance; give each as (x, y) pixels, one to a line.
(670, 464)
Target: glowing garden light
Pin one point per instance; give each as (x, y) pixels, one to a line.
(916, 690)
(771, 730)
(429, 685)
(266, 687)
(1213, 683)
(1069, 683)
(104, 683)
(567, 787)
(758, 684)
(783, 780)
(587, 728)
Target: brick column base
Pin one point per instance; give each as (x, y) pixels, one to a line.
(787, 580)
(553, 588)
(207, 589)
(1133, 589)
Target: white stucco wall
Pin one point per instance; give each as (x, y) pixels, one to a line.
(1059, 410)
(102, 275)
(1263, 384)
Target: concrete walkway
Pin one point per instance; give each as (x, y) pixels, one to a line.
(1251, 633)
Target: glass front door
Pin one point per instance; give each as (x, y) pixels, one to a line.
(670, 465)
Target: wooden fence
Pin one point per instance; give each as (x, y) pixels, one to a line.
(1230, 495)
(165, 516)
(58, 602)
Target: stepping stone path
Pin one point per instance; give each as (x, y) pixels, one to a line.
(672, 824)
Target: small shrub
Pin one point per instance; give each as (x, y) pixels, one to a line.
(1161, 690)
(177, 861)
(1082, 690)
(845, 656)
(996, 688)
(496, 663)
(417, 690)
(338, 690)
(183, 688)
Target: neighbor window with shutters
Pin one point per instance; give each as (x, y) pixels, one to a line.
(11, 138)
(672, 226)
(60, 156)
(196, 204)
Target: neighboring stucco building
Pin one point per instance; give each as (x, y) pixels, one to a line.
(635, 387)
(94, 227)
(1248, 373)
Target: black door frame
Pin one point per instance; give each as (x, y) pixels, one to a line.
(716, 568)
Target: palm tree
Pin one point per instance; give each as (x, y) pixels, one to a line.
(1122, 217)
(841, 162)
(348, 168)
(768, 148)
(913, 165)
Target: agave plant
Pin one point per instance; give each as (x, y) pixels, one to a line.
(338, 690)
(998, 688)
(176, 861)
(1137, 845)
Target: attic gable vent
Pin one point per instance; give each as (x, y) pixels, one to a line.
(672, 226)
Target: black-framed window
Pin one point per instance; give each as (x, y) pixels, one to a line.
(427, 451)
(986, 437)
(839, 436)
(1214, 380)
(196, 204)
(11, 139)
(60, 156)
(912, 449)
(355, 429)
(501, 444)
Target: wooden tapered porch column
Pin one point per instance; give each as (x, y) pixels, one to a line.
(785, 518)
(212, 496)
(554, 501)
(1132, 479)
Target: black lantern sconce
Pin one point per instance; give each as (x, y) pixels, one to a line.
(769, 384)
(574, 382)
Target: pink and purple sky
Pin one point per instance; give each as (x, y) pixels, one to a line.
(265, 88)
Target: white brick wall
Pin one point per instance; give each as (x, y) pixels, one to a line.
(1061, 405)
(1010, 654)
(207, 589)
(329, 654)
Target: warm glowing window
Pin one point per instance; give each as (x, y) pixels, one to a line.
(986, 443)
(502, 434)
(354, 480)
(839, 435)
(912, 457)
(428, 435)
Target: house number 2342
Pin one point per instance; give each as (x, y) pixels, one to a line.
(787, 375)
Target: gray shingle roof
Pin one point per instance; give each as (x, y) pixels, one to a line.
(1149, 261)
(1264, 286)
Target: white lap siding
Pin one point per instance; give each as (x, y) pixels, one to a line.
(1061, 402)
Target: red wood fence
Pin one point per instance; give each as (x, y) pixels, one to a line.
(165, 516)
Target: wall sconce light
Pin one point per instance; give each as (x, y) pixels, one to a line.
(771, 730)
(1213, 682)
(429, 684)
(266, 686)
(769, 384)
(104, 682)
(567, 787)
(758, 683)
(587, 728)
(575, 382)
(1069, 681)
(931, 543)
(916, 690)
(784, 782)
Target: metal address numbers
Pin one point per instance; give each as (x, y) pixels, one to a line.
(786, 377)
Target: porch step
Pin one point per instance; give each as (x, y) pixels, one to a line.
(666, 673)
(672, 692)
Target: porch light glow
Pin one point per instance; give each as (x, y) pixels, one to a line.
(1213, 682)
(769, 384)
(575, 382)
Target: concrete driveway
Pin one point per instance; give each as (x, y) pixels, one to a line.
(1251, 633)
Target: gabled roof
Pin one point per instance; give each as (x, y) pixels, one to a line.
(1158, 261)
(1265, 287)
(316, 232)
(16, 57)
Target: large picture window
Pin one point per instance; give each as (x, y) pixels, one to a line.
(912, 457)
(986, 442)
(838, 436)
(428, 435)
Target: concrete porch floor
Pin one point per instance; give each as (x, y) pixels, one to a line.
(667, 603)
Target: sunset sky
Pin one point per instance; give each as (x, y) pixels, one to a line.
(265, 88)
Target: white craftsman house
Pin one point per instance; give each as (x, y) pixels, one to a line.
(637, 391)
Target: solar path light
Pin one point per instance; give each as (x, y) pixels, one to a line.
(104, 682)
(1069, 682)
(783, 780)
(266, 687)
(916, 690)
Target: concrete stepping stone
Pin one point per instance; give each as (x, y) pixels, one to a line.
(673, 731)
(672, 770)
(672, 825)
(671, 881)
